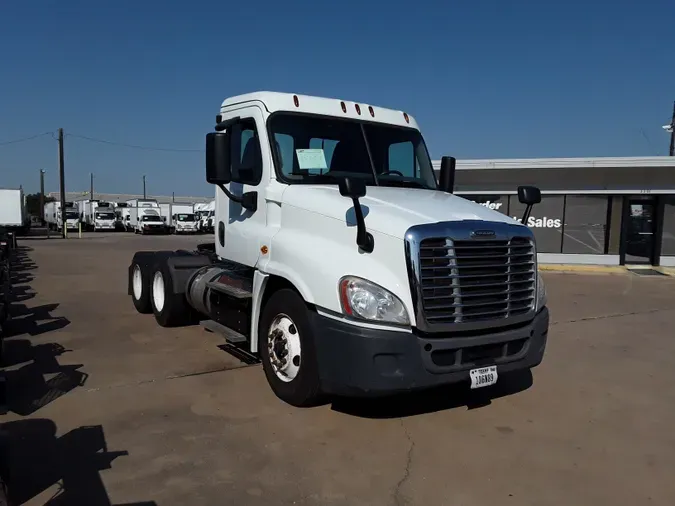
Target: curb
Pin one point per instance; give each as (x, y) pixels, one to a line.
(601, 269)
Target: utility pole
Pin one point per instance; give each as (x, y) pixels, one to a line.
(91, 186)
(672, 133)
(42, 195)
(62, 178)
(144, 196)
(173, 196)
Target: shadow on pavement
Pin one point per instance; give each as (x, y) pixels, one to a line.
(432, 400)
(32, 374)
(36, 460)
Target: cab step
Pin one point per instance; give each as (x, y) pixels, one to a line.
(231, 336)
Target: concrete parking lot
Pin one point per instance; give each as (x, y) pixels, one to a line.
(113, 409)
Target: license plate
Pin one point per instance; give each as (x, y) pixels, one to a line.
(483, 377)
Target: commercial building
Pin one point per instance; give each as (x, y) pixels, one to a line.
(609, 211)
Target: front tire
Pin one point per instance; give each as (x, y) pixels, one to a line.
(287, 349)
(170, 309)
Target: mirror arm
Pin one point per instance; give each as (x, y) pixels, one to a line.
(526, 215)
(223, 125)
(248, 200)
(364, 239)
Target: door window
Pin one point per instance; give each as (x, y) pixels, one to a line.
(245, 154)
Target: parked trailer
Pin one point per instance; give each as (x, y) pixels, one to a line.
(146, 220)
(13, 215)
(354, 273)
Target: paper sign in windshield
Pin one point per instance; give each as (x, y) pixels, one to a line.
(311, 159)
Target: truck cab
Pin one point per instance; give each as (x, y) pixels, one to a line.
(343, 263)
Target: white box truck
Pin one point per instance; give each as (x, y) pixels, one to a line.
(179, 218)
(121, 215)
(184, 219)
(146, 220)
(13, 216)
(342, 263)
(54, 219)
(142, 203)
(99, 216)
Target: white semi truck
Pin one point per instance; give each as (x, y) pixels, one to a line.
(52, 213)
(342, 263)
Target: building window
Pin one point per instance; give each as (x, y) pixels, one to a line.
(585, 229)
(668, 237)
(499, 203)
(545, 221)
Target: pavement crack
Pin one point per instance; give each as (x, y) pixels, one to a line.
(170, 377)
(398, 499)
(608, 316)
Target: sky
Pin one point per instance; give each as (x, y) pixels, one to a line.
(483, 78)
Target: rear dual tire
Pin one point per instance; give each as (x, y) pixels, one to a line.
(170, 309)
(151, 285)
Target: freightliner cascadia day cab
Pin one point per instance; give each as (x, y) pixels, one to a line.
(342, 263)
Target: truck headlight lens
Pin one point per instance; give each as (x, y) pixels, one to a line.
(541, 292)
(368, 301)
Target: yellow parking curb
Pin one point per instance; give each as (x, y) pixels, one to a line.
(668, 271)
(606, 269)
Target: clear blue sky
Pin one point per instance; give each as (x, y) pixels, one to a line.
(484, 78)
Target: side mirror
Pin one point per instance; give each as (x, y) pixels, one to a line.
(352, 188)
(529, 195)
(446, 182)
(355, 189)
(218, 158)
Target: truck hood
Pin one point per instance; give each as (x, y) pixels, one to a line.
(389, 210)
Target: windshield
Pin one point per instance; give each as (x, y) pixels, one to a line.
(185, 217)
(72, 215)
(316, 149)
(147, 217)
(105, 216)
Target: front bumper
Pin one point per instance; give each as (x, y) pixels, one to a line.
(153, 230)
(362, 361)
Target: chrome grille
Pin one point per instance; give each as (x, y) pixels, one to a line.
(465, 281)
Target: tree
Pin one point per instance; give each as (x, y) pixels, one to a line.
(33, 203)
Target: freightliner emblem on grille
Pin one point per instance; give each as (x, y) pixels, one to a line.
(482, 233)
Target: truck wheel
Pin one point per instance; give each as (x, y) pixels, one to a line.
(286, 346)
(170, 309)
(140, 289)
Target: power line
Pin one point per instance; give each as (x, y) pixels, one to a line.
(135, 146)
(23, 139)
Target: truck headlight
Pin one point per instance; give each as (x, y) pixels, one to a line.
(365, 300)
(541, 292)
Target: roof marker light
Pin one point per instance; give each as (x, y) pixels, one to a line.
(407, 118)
(358, 109)
(344, 107)
(296, 101)
(371, 110)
